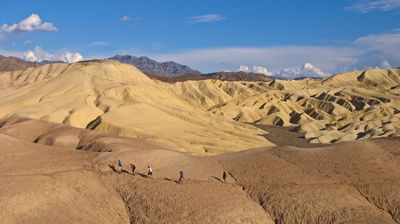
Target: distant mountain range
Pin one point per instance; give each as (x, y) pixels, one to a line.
(224, 76)
(173, 72)
(14, 63)
(45, 62)
(239, 76)
(164, 71)
(152, 67)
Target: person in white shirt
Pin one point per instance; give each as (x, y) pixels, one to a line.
(150, 171)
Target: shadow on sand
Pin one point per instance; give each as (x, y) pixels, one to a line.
(217, 179)
(114, 169)
(171, 180)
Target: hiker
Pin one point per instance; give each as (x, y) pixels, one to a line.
(181, 176)
(114, 165)
(119, 166)
(150, 172)
(224, 175)
(133, 167)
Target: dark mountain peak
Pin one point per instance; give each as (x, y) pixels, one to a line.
(125, 57)
(152, 67)
(45, 62)
(14, 63)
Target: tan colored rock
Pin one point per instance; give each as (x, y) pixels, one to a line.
(128, 103)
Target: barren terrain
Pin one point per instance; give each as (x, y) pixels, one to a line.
(288, 147)
(47, 167)
(199, 116)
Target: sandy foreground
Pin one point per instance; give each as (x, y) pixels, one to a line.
(53, 173)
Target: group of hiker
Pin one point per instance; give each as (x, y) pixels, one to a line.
(133, 168)
(150, 171)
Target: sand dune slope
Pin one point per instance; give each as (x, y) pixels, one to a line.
(354, 182)
(346, 183)
(117, 98)
(41, 184)
(50, 178)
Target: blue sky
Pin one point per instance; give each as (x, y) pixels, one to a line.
(210, 35)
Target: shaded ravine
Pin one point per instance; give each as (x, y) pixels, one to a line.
(284, 136)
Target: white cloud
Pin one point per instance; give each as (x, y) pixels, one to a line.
(382, 45)
(244, 68)
(27, 42)
(256, 69)
(311, 69)
(31, 24)
(364, 52)
(367, 6)
(330, 59)
(71, 57)
(30, 56)
(386, 64)
(307, 70)
(38, 54)
(261, 70)
(125, 18)
(206, 18)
